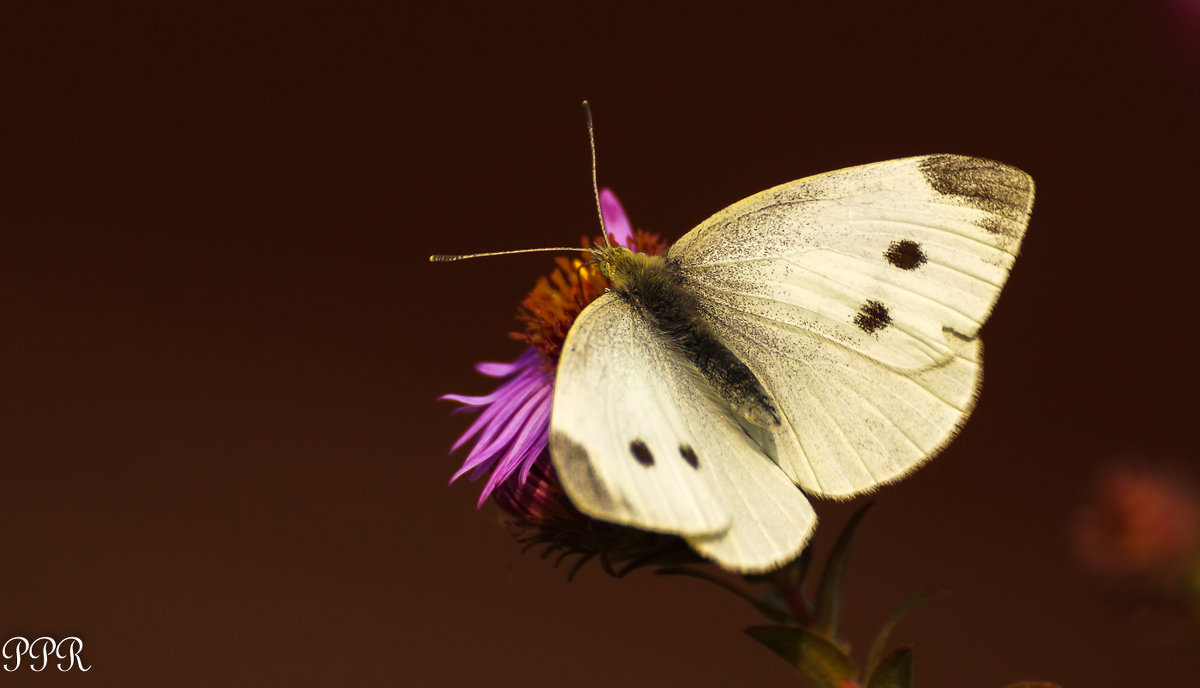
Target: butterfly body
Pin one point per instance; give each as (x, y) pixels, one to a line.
(654, 287)
(821, 335)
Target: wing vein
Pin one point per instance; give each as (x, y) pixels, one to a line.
(820, 402)
(936, 228)
(894, 285)
(867, 402)
(816, 315)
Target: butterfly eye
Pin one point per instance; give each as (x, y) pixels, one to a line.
(641, 452)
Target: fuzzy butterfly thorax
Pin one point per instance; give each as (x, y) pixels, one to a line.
(655, 287)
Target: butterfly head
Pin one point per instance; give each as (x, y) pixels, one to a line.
(612, 260)
(621, 267)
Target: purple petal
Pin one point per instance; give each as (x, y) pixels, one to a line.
(512, 429)
(495, 369)
(615, 219)
(534, 416)
(470, 401)
(490, 422)
(541, 442)
(524, 448)
(481, 422)
(500, 404)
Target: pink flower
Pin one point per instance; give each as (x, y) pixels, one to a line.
(512, 431)
(615, 219)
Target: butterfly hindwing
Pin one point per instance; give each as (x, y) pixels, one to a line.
(856, 298)
(772, 519)
(638, 439)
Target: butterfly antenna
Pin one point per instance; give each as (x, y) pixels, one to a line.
(443, 258)
(587, 112)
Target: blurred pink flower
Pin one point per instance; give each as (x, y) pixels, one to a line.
(1182, 18)
(1139, 523)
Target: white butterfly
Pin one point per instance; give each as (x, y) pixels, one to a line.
(820, 334)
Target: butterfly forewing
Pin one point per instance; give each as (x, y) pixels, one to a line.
(619, 431)
(881, 259)
(638, 438)
(856, 297)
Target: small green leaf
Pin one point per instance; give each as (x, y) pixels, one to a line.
(833, 578)
(895, 671)
(886, 629)
(786, 590)
(814, 657)
(797, 571)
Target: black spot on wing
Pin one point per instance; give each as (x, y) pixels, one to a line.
(906, 255)
(641, 452)
(995, 225)
(989, 186)
(689, 455)
(872, 317)
(576, 469)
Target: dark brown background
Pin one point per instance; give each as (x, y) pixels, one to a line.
(222, 458)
